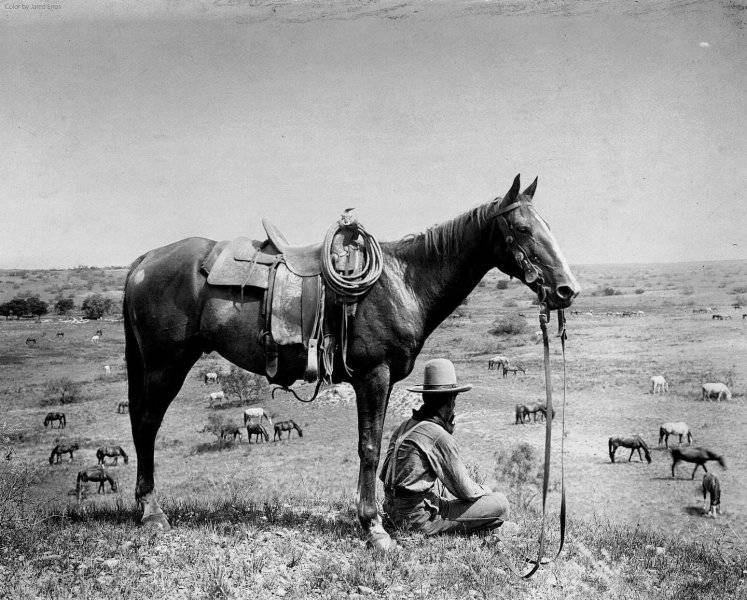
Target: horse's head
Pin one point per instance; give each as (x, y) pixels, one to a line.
(528, 251)
(112, 483)
(721, 461)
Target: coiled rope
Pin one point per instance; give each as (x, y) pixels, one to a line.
(351, 287)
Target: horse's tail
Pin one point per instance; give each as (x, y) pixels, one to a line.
(78, 481)
(269, 420)
(51, 456)
(264, 433)
(100, 455)
(662, 433)
(611, 449)
(46, 421)
(124, 455)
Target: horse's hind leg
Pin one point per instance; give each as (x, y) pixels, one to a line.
(631, 454)
(696, 468)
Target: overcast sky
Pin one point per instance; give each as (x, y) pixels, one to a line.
(127, 126)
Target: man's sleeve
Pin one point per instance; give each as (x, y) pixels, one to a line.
(390, 449)
(452, 471)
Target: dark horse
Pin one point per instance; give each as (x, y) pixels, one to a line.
(634, 443)
(112, 452)
(232, 431)
(52, 417)
(257, 430)
(534, 409)
(711, 486)
(61, 449)
(171, 316)
(699, 456)
(288, 426)
(98, 474)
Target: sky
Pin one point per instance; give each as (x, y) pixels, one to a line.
(126, 126)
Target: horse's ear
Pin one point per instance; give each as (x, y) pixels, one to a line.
(510, 197)
(529, 192)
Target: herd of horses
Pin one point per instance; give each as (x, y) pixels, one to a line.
(257, 429)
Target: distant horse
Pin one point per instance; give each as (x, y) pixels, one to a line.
(679, 428)
(256, 413)
(711, 486)
(216, 397)
(258, 431)
(211, 378)
(95, 339)
(60, 334)
(97, 474)
(288, 426)
(61, 449)
(534, 409)
(537, 336)
(100, 333)
(30, 341)
(699, 456)
(717, 318)
(716, 389)
(112, 452)
(634, 443)
(520, 408)
(55, 416)
(231, 430)
(659, 385)
(513, 369)
(107, 370)
(123, 407)
(497, 361)
(172, 316)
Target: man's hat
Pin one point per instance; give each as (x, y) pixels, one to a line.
(439, 378)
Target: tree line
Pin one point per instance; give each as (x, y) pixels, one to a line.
(94, 306)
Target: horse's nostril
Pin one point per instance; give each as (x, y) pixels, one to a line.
(565, 292)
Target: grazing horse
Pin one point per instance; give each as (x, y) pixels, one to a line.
(112, 452)
(497, 361)
(535, 408)
(513, 369)
(61, 449)
(211, 378)
(216, 397)
(720, 390)
(520, 408)
(97, 474)
(107, 370)
(256, 413)
(55, 416)
(60, 334)
(711, 486)
(172, 316)
(288, 426)
(232, 430)
(717, 318)
(679, 428)
(30, 341)
(634, 443)
(123, 407)
(95, 339)
(699, 456)
(258, 431)
(659, 385)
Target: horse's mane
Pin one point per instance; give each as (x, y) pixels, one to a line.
(448, 238)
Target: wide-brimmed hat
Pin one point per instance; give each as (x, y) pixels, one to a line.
(439, 378)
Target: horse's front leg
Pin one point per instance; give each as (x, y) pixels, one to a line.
(631, 454)
(372, 395)
(696, 468)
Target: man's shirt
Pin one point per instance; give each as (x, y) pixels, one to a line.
(427, 454)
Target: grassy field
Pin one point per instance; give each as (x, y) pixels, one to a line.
(278, 519)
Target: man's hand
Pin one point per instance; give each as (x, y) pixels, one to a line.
(431, 508)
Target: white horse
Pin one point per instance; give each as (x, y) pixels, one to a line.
(679, 428)
(716, 389)
(95, 339)
(107, 370)
(537, 337)
(256, 413)
(659, 385)
(217, 397)
(497, 361)
(211, 378)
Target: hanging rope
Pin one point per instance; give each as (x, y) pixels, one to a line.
(351, 287)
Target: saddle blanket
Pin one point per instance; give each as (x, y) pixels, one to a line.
(230, 263)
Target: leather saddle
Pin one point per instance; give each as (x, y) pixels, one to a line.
(304, 261)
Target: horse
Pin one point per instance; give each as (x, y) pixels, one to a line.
(123, 407)
(659, 385)
(513, 369)
(520, 408)
(720, 390)
(233, 430)
(172, 316)
(679, 428)
(30, 341)
(60, 334)
(95, 339)
(61, 449)
(100, 333)
(107, 370)
(497, 361)
(256, 413)
(711, 486)
(533, 408)
(55, 416)
(211, 378)
(112, 452)
(257, 430)
(699, 456)
(97, 474)
(216, 397)
(634, 443)
(288, 426)
(717, 318)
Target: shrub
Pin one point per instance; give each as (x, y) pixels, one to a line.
(36, 307)
(509, 325)
(502, 284)
(639, 291)
(63, 305)
(520, 469)
(247, 387)
(740, 299)
(688, 290)
(96, 306)
(740, 289)
(62, 390)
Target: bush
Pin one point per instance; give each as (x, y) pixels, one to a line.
(509, 325)
(63, 305)
(247, 387)
(502, 284)
(740, 289)
(640, 291)
(520, 469)
(62, 390)
(96, 306)
(740, 299)
(36, 307)
(688, 290)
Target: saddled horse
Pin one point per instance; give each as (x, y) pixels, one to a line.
(635, 443)
(288, 426)
(96, 474)
(172, 316)
(55, 417)
(230, 430)
(712, 486)
(112, 452)
(679, 428)
(258, 413)
(257, 430)
(699, 456)
(61, 449)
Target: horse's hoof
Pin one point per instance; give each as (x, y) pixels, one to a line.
(380, 540)
(156, 521)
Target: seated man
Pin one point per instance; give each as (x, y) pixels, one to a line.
(421, 452)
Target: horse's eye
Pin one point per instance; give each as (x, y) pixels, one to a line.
(524, 229)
